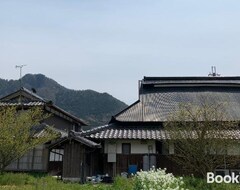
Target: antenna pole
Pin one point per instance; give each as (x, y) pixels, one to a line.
(214, 72)
(20, 70)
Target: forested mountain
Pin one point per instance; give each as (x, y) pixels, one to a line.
(93, 107)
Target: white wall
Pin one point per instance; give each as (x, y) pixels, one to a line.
(137, 146)
(141, 147)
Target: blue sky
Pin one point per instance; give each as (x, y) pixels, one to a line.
(109, 45)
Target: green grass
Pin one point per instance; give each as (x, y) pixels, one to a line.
(16, 181)
(21, 181)
(200, 184)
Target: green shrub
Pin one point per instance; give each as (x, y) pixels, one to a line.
(121, 183)
(16, 179)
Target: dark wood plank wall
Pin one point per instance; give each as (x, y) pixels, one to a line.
(123, 162)
(101, 166)
(96, 163)
(74, 159)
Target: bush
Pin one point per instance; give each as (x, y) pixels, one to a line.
(121, 183)
(157, 179)
(16, 179)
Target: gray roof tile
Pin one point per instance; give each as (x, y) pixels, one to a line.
(147, 132)
(22, 104)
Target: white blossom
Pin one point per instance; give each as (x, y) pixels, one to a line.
(156, 179)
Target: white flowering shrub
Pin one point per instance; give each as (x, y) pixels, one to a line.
(157, 179)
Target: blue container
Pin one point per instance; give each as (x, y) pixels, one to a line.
(132, 169)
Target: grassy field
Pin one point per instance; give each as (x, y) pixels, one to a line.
(10, 181)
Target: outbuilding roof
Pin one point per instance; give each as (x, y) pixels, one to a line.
(76, 137)
(41, 129)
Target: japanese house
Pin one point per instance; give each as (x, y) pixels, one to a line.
(135, 138)
(42, 158)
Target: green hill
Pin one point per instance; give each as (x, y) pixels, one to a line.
(93, 107)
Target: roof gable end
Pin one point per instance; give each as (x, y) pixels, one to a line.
(22, 95)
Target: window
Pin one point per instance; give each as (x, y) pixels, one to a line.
(167, 149)
(126, 148)
(56, 155)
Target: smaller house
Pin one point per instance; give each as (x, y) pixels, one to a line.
(80, 156)
(41, 158)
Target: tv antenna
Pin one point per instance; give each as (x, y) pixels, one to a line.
(214, 72)
(20, 69)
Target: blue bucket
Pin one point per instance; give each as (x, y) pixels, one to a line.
(132, 169)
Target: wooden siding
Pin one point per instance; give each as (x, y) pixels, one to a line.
(74, 161)
(94, 162)
(122, 164)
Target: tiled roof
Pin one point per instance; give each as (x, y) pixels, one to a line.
(22, 104)
(77, 137)
(29, 99)
(161, 97)
(34, 94)
(87, 142)
(190, 80)
(112, 131)
(24, 92)
(39, 130)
